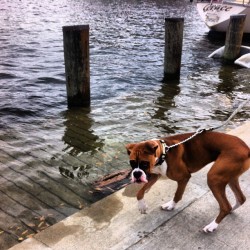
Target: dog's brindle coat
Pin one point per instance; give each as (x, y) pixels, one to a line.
(231, 157)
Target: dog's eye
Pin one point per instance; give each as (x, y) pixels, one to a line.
(144, 164)
(133, 164)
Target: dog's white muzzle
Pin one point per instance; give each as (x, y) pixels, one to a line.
(138, 176)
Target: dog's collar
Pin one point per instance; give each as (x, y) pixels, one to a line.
(165, 149)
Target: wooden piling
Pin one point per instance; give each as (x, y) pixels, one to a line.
(234, 37)
(76, 57)
(173, 48)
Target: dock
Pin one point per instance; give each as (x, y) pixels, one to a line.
(114, 222)
(44, 182)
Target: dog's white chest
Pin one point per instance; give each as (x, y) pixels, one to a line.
(161, 169)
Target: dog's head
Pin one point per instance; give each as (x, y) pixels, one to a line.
(143, 157)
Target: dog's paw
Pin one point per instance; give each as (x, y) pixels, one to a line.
(168, 206)
(142, 206)
(210, 227)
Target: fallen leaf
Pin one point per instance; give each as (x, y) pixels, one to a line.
(17, 228)
(42, 218)
(80, 205)
(30, 235)
(40, 224)
(111, 189)
(26, 231)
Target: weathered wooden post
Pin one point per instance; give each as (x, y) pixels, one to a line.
(234, 37)
(76, 57)
(173, 48)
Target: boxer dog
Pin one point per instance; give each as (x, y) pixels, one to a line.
(178, 156)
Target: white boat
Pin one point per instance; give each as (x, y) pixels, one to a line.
(216, 13)
(243, 59)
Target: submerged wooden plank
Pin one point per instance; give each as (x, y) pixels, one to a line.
(42, 186)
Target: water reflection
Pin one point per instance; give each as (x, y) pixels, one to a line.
(77, 173)
(79, 138)
(165, 103)
(228, 81)
(78, 135)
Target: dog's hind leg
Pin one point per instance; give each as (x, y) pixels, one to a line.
(226, 170)
(239, 196)
(219, 192)
(217, 183)
(235, 186)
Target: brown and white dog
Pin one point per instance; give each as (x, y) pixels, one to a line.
(153, 158)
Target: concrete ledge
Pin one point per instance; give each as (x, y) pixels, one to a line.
(115, 223)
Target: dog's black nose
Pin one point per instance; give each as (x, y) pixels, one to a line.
(137, 174)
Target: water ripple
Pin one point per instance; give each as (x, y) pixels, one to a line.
(128, 99)
(50, 80)
(7, 76)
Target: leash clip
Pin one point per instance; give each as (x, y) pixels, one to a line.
(200, 130)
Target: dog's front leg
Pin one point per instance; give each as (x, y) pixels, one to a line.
(178, 195)
(140, 195)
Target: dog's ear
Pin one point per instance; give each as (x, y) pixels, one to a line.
(129, 147)
(151, 146)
